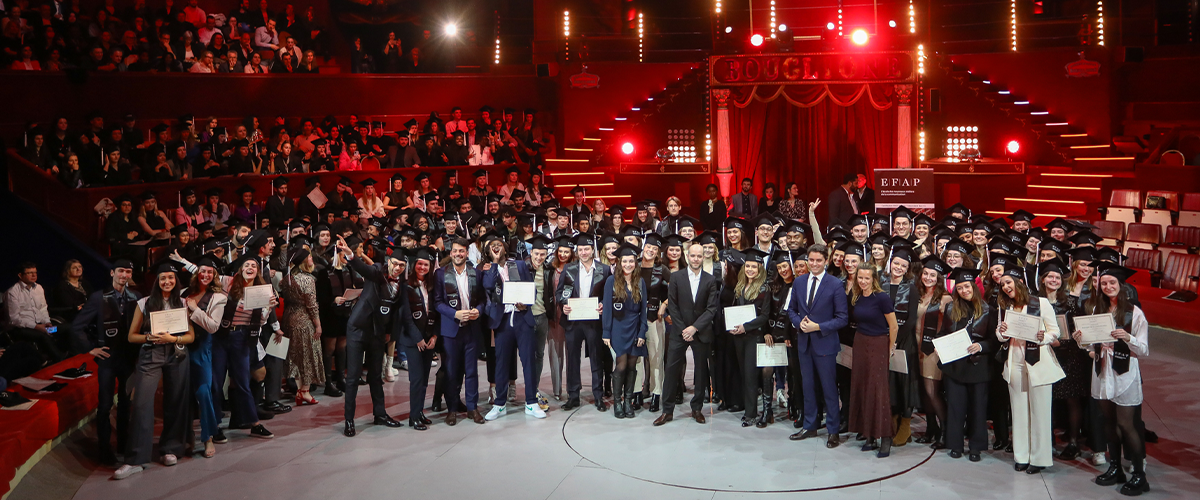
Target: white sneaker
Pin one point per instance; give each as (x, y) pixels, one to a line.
(1099, 459)
(126, 471)
(497, 411)
(169, 460)
(534, 410)
(781, 396)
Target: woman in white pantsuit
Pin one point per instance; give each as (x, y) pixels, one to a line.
(1030, 370)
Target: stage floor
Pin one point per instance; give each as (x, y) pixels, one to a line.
(588, 454)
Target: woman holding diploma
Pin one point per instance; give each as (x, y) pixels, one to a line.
(624, 325)
(874, 343)
(205, 301)
(966, 379)
(1029, 368)
(302, 321)
(1117, 379)
(751, 289)
(233, 345)
(163, 356)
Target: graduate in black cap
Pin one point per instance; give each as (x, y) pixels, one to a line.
(163, 356)
(381, 313)
(1030, 369)
(624, 326)
(751, 288)
(926, 316)
(966, 379)
(281, 209)
(1117, 380)
(101, 329)
(341, 198)
(582, 279)
(420, 349)
(899, 284)
(1072, 392)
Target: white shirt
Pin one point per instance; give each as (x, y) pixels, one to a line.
(453, 126)
(585, 280)
(504, 277)
(1123, 389)
(694, 281)
(26, 306)
(788, 300)
(814, 285)
(464, 287)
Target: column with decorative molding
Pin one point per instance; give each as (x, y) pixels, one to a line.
(904, 126)
(724, 161)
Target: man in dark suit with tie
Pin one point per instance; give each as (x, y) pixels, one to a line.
(692, 300)
(842, 202)
(380, 314)
(459, 294)
(818, 311)
(583, 278)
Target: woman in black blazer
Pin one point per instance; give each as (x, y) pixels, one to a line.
(751, 289)
(966, 379)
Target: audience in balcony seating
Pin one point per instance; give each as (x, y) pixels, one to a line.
(100, 156)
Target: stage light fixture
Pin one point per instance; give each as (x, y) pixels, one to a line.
(1013, 147)
(782, 27)
(912, 18)
(451, 29)
(756, 40)
(627, 148)
(859, 37)
(728, 30)
(1100, 23)
(830, 26)
(892, 23)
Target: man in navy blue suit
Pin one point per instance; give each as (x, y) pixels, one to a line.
(513, 325)
(818, 311)
(458, 292)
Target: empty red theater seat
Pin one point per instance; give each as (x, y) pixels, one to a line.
(1181, 272)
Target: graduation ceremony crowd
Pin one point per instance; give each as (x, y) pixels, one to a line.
(366, 281)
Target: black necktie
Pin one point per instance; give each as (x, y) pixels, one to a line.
(812, 289)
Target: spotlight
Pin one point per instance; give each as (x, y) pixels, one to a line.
(756, 40)
(892, 23)
(1013, 147)
(729, 29)
(782, 27)
(627, 148)
(830, 26)
(859, 37)
(451, 29)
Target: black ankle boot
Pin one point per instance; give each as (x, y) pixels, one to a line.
(1136, 486)
(630, 401)
(655, 402)
(1115, 474)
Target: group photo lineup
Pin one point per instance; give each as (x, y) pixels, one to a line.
(601, 249)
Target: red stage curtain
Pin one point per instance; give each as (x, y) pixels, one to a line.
(811, 135)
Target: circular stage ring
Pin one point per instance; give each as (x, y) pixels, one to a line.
(567, 441)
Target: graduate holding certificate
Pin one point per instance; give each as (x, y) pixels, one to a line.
(1117, 379)
(511, 319)
(582, 279)
(751, 292)
(1030, 369)
(966, 378)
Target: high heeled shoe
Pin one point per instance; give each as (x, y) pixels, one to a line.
(301, 400)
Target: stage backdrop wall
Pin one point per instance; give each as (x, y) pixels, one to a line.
(813, 142)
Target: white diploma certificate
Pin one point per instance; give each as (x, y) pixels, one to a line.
(584, 309)
(898, 362)
(257, 297)
(169, 321)
(845, 357)
(772, 356)
(278, 349)
(1096, 329)
(317, 198)
(352, 293)
(1023, 326)
(954, 346)
(739, 315)
(1063, 332)
(521, 292)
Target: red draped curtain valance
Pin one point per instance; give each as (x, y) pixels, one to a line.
(880, 96)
